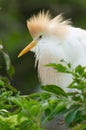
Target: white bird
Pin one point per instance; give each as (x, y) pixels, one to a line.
(54, 40)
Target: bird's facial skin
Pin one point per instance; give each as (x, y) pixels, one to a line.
(30, 46)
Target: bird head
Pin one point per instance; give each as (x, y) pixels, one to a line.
(45, 30)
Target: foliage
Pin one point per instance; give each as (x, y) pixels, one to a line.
(74, 101)
(18, 112)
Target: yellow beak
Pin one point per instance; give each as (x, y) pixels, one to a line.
(27, 48)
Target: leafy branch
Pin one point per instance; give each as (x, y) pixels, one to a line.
(18, 112)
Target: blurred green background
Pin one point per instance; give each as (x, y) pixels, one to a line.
(15, 36)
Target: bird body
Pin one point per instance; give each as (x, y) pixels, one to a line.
(72, 49)
(54, 40)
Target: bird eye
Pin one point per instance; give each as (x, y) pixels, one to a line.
(40, 36)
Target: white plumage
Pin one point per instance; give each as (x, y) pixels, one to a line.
(53, 40)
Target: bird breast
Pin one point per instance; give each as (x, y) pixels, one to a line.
(48, 75)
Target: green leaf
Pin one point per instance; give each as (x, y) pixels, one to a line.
(11, 70)
(1, 83)
(59, 67)
(79, 86)
(55, 90)
(9, 66)
(61, 106)
(39, 96)
(4, 113)
(71, 116)
(57, 109)
(25, 125)
(5, 83)
(79, 69)
(69, 65)
(7, 60)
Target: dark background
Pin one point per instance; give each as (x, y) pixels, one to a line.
(15, 36)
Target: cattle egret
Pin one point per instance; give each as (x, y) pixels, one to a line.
(54, 40)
